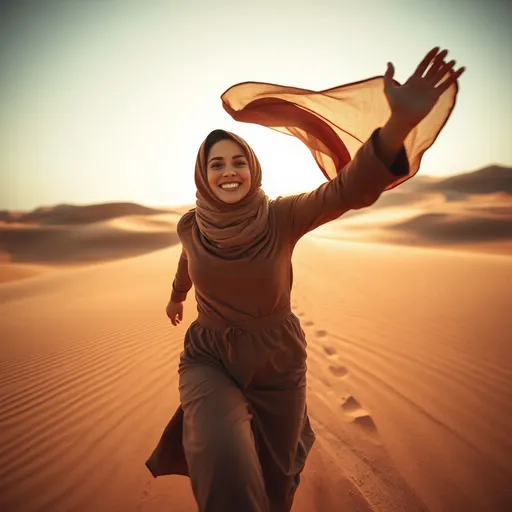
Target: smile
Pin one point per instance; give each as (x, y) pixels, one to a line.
(229, 186)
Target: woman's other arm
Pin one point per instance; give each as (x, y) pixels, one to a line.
(182, 282)
(180, 287)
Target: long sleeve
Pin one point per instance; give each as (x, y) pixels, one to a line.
(360, 183)
(182, 282)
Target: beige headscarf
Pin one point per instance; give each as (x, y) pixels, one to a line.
(231, 227)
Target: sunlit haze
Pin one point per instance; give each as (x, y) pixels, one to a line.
(105, 100)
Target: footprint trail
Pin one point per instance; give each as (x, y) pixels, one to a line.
(351, 407)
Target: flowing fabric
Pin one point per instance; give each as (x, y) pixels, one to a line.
(334, 123)
(229, 228)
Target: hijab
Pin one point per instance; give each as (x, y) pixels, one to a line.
(230, 228)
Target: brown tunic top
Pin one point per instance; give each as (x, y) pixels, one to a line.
(249, 298)
(236, 291)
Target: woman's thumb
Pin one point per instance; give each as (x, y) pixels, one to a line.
(388, 76)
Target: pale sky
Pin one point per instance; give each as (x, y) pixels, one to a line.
(109, 100)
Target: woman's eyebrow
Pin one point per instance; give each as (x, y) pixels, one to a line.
(222, 158)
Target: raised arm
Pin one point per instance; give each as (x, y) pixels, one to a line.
(382, 159)
(378, 163)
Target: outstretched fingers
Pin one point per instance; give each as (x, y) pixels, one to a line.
(438, 70)
(442, 72)
(450, 80)
(423, 65)
(437, 64)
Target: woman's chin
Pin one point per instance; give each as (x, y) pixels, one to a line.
(231, 197)
(231, 200)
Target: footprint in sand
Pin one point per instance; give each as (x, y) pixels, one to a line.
(338, 371)
(350, 405)
(352, 408)
(330, 351)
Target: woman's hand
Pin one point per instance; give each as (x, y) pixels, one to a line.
(174, 311)
(412, 101)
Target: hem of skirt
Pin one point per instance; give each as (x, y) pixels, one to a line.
(168, 457)
(153, 469)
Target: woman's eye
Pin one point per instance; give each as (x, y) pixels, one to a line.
(218, 165)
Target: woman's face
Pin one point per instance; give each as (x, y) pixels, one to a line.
(228, 171)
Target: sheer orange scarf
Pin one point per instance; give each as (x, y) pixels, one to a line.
(336, 122)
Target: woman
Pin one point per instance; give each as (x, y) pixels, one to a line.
(242, 431)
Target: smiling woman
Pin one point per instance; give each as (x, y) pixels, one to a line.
(228, 171)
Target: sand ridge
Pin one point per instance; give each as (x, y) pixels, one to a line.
(53, 238)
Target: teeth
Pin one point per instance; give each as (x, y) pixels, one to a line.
(230, 185)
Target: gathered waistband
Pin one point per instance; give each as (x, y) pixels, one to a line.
(263, 322)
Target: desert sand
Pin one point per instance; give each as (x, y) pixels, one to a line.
(409, 343)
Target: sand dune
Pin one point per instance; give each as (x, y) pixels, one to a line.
(51, 245)
(66, 214)
(476, 223)
(28, 249)
(469, 212)
(472, 211)
(444, 228)
(488, 180)
(468, 222)
(410, 379)
(50, 237)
